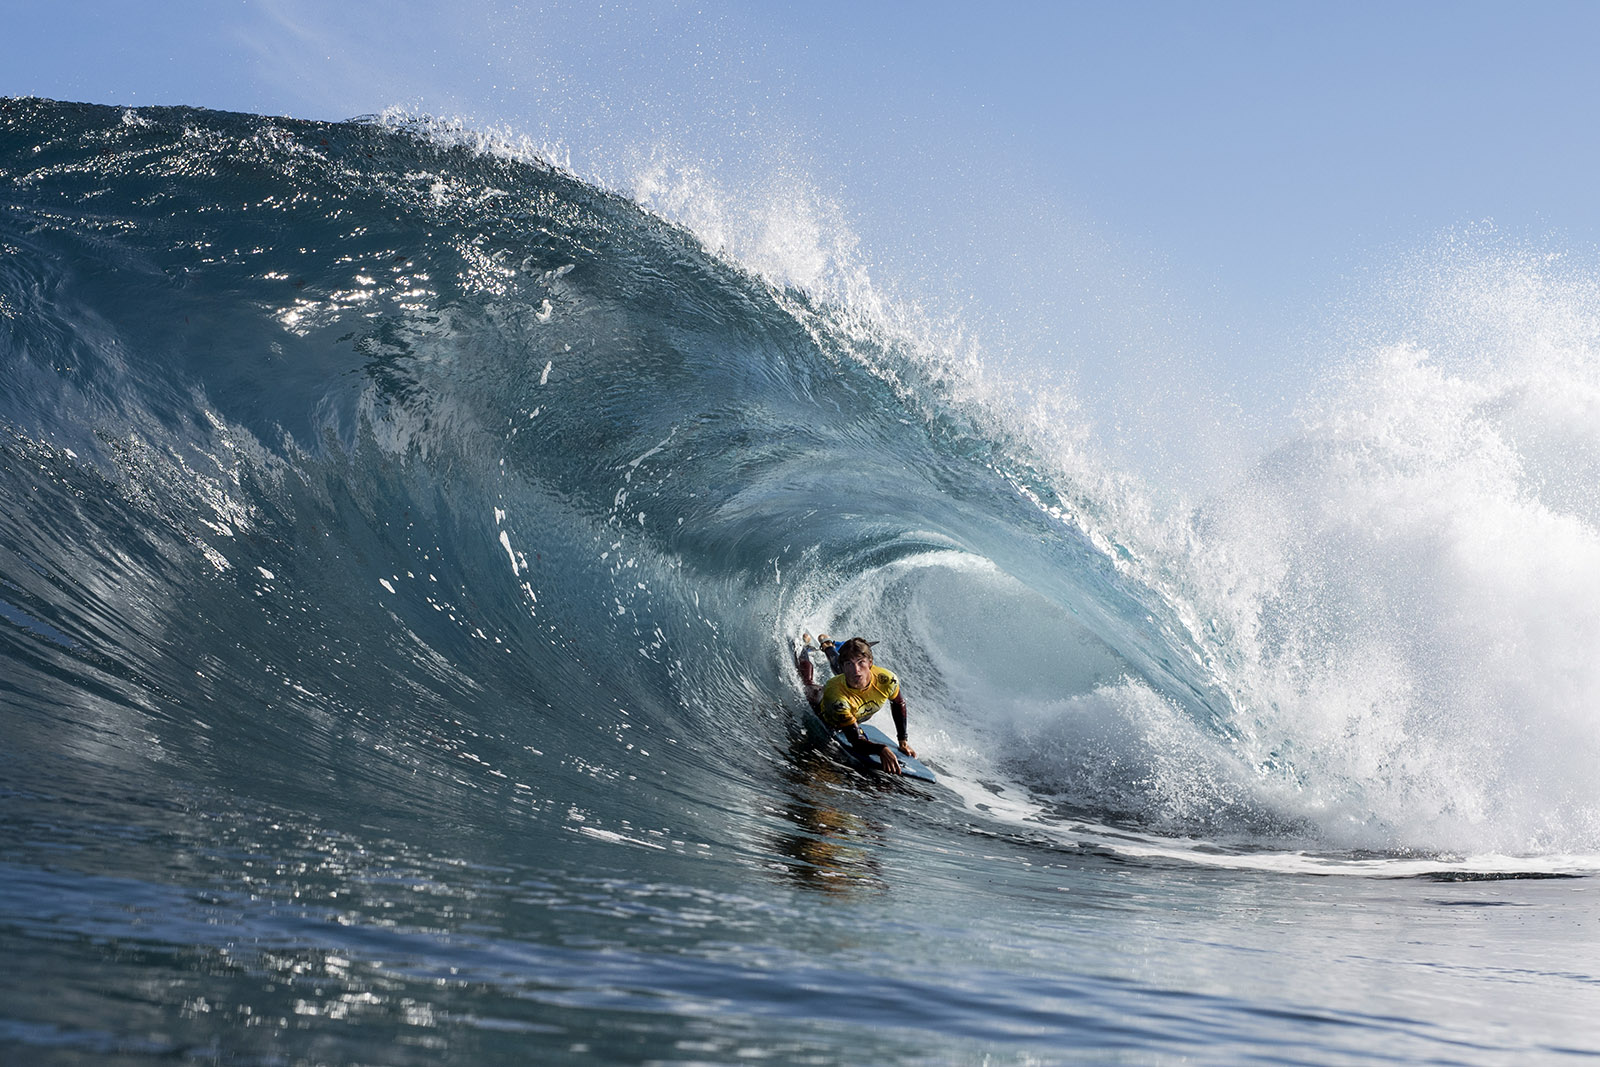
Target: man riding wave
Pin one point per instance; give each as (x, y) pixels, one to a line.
(852, 696)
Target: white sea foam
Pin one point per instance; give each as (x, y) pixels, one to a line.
(1408, 595)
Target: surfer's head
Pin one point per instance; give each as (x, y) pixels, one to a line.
(856, 646)
(855, 662)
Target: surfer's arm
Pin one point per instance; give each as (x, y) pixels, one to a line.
(897, 708)
(802, 664)
(863, 747)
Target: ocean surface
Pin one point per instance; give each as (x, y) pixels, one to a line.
(401, 545)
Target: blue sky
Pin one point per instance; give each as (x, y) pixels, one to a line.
(1165, 185)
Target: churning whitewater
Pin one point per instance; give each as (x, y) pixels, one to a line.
(401, 543)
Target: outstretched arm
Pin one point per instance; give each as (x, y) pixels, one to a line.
(897, 708)
(802, 666)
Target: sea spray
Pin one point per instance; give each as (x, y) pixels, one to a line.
(1406, 593)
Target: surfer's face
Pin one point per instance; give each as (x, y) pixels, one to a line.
(857, 672)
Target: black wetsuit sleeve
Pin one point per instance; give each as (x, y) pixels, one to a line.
(858, 741)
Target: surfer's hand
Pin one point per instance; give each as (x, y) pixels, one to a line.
(891, 762)
(905, 746)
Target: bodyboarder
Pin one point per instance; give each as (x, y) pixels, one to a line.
(853, 695)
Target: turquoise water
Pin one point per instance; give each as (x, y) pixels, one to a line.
(399, 545)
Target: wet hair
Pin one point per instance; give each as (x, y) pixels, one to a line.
(855, 648)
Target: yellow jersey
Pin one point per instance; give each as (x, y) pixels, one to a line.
(842, 706)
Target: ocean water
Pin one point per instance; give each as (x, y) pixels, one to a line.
(400, 544)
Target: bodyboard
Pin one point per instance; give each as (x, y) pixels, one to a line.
(910, 766)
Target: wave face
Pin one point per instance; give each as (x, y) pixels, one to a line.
(333, 432)
(379, 514)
